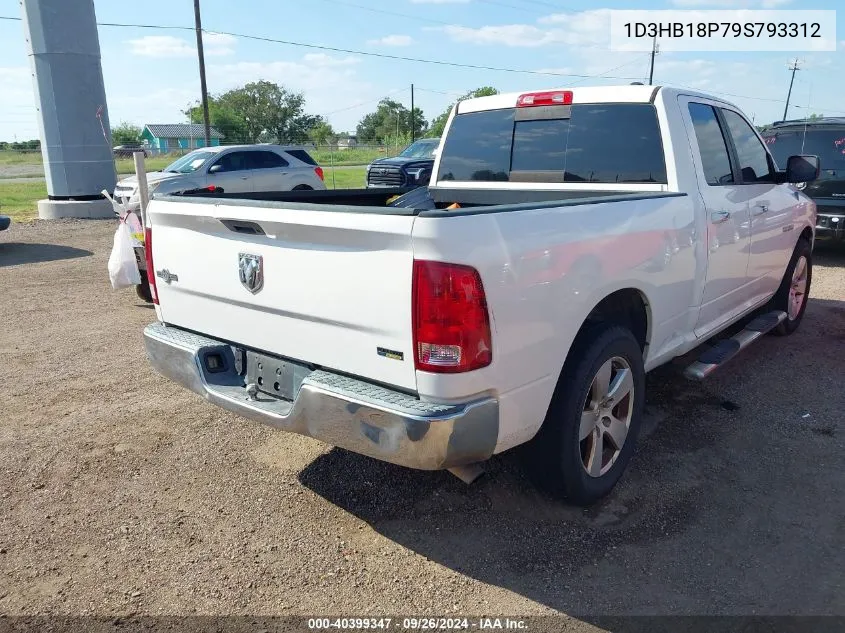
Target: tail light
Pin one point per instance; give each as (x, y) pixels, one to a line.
(559, 97)
(148, 255)
(319, 172)
(450, 319)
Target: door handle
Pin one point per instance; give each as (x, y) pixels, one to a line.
(761, 209)
(717, 217)
(244, 177)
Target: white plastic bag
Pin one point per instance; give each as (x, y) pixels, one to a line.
(123, 268)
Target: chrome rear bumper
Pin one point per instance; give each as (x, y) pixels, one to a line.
(342, 411)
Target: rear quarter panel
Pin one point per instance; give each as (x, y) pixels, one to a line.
(543, 271)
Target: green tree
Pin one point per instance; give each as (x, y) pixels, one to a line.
(321, 133)
(224, 119)
(390, 119)
(126, 134)
(264, 107)
(438, 125)
(814, 116)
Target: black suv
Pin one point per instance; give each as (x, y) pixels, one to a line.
(824, 137)
(412, 168)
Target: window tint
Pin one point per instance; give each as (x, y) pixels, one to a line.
(615, 143)
(711, 145)
(608, 143)
(753, 158)
(540, 145)
(302, 155)
(265, 160)
(235, 161)
(478, 146)
(828, 145)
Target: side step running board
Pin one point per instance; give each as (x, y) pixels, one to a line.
(726, 349)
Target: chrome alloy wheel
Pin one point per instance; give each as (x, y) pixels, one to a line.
(797, 289)
(606, 417)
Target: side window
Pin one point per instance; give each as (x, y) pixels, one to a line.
(711, 145)
(234, 161)
(265, 160)
(753, 157)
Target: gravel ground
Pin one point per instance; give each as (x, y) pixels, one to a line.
(123, 493)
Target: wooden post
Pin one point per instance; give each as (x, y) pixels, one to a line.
(143, 191)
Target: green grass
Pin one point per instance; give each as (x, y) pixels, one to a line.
(356, 156)
(18, 199)
(14, 157)
(345, 178)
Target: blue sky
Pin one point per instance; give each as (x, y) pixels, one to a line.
(151, 75)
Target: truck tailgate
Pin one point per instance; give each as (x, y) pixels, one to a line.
(336, 285)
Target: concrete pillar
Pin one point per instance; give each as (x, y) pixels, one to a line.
(64, 54)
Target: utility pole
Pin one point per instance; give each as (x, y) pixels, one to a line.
(203, 86)
(793, 68)
(413, 130)
(654, 51)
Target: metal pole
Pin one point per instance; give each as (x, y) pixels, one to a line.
(789, 94)
(653, 53)
(413, 131)
(203, 86)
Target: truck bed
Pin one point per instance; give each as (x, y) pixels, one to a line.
(420, 201)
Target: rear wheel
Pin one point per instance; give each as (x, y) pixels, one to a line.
(590, 430)
(303, 188)
(794, 289)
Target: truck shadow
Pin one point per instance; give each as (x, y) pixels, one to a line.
(502, 530)
(17, 253)
(697, 510)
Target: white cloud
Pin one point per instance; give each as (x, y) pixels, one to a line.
(588, 28)
(392, 40)
(161, 46)
(218, 44)
(214, 44)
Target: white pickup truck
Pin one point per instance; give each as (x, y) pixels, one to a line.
(598, 233)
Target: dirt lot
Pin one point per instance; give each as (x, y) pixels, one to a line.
(123, 493)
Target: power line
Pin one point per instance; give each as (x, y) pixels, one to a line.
(351, 51)
(363, 103)
(386, 12)
(436, 62)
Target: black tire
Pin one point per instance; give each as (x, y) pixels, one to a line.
(143, 289)
(556, 455)
(303, 188)
(782, 299)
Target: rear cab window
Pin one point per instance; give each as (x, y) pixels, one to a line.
(609, 143)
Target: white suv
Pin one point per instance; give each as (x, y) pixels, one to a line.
(234, 169)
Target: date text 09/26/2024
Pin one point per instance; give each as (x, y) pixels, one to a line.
(417, 624)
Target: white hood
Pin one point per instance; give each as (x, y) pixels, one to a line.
(153, 176)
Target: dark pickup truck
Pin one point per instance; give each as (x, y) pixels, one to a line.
(824, 137)
(412, 168)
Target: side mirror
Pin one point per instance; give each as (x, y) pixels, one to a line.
(802, 168)
(215, 169)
